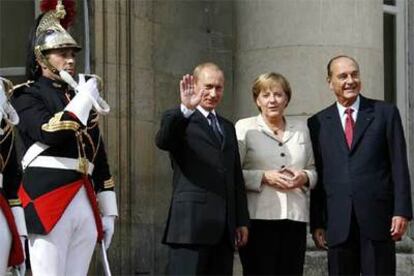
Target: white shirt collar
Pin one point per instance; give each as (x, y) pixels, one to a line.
(205, 112)
(354, 106)
(341, 111)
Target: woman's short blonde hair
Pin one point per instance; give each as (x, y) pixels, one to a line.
(267, 80)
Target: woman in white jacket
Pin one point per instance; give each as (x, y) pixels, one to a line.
(278, 168)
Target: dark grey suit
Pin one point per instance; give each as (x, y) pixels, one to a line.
(360, 189)
(208, 201)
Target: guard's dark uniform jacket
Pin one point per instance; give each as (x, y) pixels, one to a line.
(47, 191)
(9, 185)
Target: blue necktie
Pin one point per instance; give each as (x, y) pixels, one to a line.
(213, 124)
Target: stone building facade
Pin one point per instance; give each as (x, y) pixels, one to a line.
(141, 48)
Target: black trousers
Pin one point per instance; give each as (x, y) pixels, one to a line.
(275, 247)
(201, 259)
(360, 255)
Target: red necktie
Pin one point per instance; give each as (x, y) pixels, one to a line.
(349, 126)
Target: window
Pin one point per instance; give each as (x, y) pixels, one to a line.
(16, 21)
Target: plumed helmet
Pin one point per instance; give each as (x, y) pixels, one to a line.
(50, 34)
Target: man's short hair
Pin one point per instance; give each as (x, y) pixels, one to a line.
(328, 67)
(199, 68)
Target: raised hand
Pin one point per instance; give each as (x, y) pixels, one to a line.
(189, 97)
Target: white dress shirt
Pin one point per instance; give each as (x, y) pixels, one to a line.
(342, 114)
(260, 150)
(188, 112)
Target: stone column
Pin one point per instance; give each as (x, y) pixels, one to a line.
(123, 57)
(410, 121)
(142, 48)
(185, 33)
(297, 38)
(113, 22)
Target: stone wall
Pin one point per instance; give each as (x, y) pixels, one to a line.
(143, 47)
(410, 68)
(297, 38)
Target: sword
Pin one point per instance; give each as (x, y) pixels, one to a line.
(105, 262)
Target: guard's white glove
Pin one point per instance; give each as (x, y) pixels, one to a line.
(87, 94)
(22, 267)
(100, 105)
(10, 114)
(89, 87)
(108, 225)
(3, 97)
(19, 219)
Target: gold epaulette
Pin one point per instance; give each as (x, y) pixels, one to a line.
(56, 124)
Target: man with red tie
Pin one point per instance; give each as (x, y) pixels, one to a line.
(362, 199)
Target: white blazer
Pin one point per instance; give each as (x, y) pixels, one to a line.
(260, 150)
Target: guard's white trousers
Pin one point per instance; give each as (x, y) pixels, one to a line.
(68, 248)
(5, 244)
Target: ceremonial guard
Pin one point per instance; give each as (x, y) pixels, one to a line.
(12, 223)
(67, 190)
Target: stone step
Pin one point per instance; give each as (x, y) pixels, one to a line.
(316, 264)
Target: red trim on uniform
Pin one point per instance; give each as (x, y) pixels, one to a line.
(96, 214)
(16, 255)
(72, 115)
(50, 206)
(23, 196)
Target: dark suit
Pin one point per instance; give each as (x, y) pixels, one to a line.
(360, 189)
(208, 201)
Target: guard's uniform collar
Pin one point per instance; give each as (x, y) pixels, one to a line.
(53, 83)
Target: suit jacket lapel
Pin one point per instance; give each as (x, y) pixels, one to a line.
(202, 121)
(364, 118)
(334, 126)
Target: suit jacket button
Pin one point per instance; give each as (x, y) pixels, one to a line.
(282, 154)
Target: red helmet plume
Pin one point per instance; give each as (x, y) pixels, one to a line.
(70, 8)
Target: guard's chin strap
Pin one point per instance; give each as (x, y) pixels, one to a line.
(43, 58)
